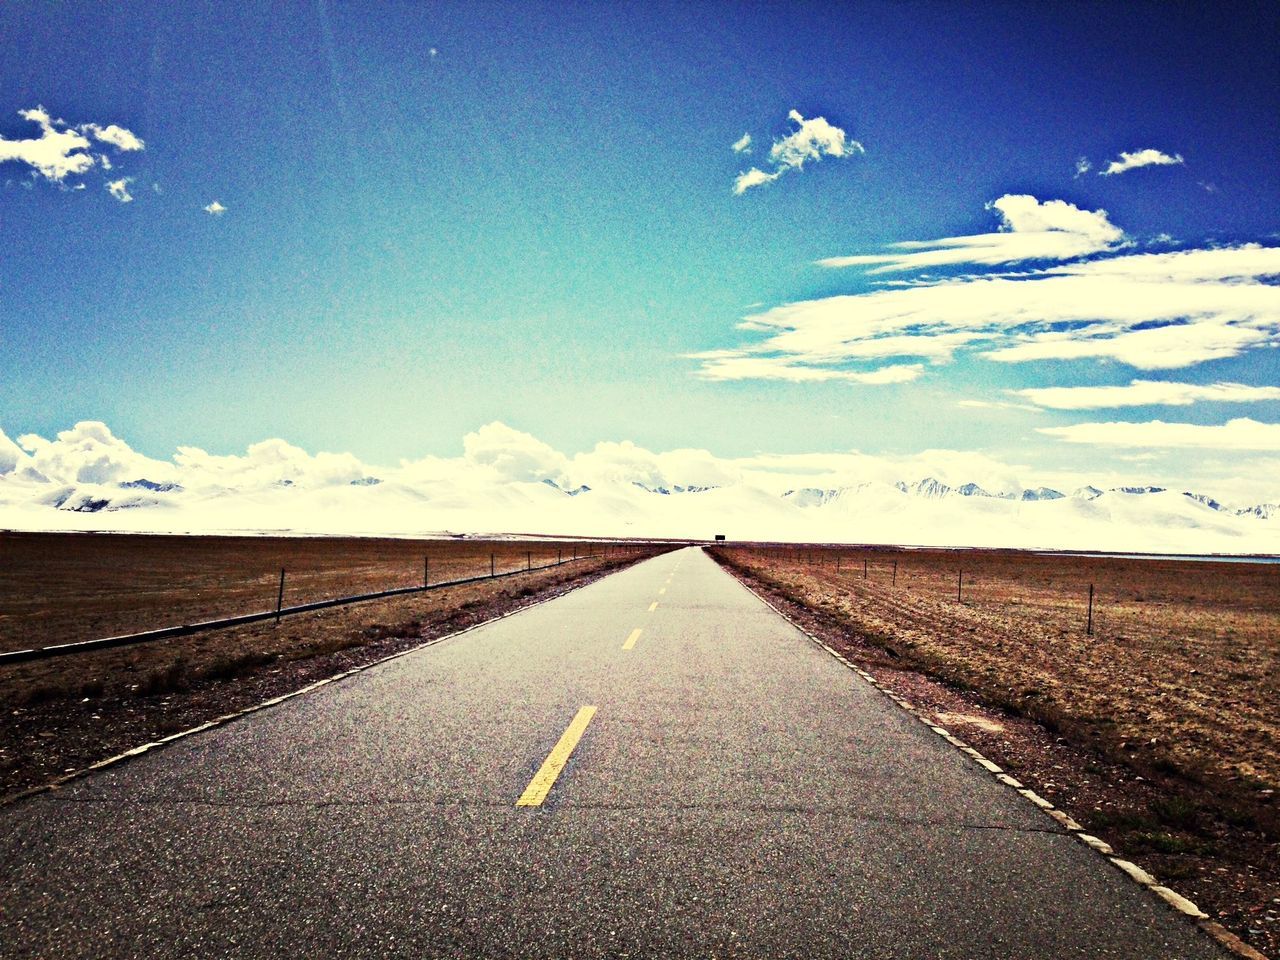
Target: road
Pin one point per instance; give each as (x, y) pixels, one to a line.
(653, 765)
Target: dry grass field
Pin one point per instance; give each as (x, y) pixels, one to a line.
(58, 588)
(1182, 668)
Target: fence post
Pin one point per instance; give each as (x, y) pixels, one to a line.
(895, 573)
(492, 568)
(1089, 628)
(959, 584)
(280, 597)
(558, 559)
(837, 563)
(528, 560)
(864, 568)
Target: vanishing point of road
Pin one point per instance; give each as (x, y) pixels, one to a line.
(655, 765)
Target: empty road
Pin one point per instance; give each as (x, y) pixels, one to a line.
(654, 765)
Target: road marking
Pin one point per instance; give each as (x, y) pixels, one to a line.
(653, 606)
(662, 591)
(631, 640)
(545, 778)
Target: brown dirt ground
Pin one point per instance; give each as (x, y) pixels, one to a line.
(62, 714)
(1158, 733)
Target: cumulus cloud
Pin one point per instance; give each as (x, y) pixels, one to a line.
(1240, 434)
(267, 463)
(742, 144)
(1139, 158)
(812, 139)
(1030, 229)
(1083, 166)
(511, 454)
(62, 151)
(90, 453)
(1140, 393)
(12, 456)
(215, 208)
(57, 153)
(120, 189)
(1151, 311)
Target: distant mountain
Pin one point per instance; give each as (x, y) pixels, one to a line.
(145, 484)
(366, 482)
(1043, 493)
(972, 490)
(571, 492)
(1264, 511)
(1209, 502)
(1139, 490)
(667, 491)
(1089, 492)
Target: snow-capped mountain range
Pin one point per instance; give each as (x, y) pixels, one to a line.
(90, 480)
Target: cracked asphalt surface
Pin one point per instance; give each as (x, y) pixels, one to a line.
(739, 793)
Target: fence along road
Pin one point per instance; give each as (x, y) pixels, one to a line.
(653, 765)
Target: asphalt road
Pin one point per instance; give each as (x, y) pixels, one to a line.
(736, 792)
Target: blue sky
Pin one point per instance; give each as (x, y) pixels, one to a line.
(441, 215)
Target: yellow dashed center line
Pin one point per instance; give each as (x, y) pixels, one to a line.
(631, 640)
(545, 778)
(653, 606)
(662, 591)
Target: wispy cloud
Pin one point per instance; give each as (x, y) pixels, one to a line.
(742, 144)
(117, 136)
(1029, 230)
(1151, 311)
(727, 365)
(63, 151)
(1139, 158)
(215, 208)
(1240, 434)
(1141, 393)
(1083, 166)
(812, 139)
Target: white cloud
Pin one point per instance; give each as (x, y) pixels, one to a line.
(1140, 393)
(512, 454)
(265, 464)
(735, 367)
(1083, 166)
(215, 208)
(62, 151)
(90, 453)
(996, 405)
(812, 139)
(1153, 311)
(1139, 158)
(117, 136)
(120, 189)
(742, 144)
(752, 178)
(11, 455)
(1240, 434)
(57, 153)
(1030, 230)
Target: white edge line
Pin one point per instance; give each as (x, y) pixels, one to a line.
(1180, 904)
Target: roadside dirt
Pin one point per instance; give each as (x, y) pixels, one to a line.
(1158, 733)
(62, 714)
